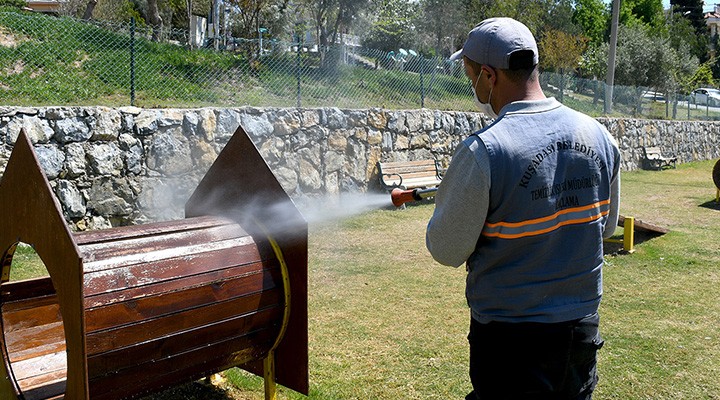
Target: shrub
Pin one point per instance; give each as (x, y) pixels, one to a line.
(13, 3)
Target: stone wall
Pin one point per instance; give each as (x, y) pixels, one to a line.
(129, 165)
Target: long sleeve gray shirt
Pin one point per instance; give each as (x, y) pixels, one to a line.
(499, 264)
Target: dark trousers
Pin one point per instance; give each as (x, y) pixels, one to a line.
(534, 361)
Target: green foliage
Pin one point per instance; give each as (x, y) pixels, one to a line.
(692, 10)
(594, 61)
(703, 76)
(592, 16)
(561, 50)
(648, 13)
(393, 26)
(649, 60)
(74, 63)
(12, 3)
(438, 22)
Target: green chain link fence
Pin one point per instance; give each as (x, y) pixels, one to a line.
(53, 61)
(46, 61)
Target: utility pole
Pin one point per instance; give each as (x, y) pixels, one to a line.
(610, 80)
(216, 24)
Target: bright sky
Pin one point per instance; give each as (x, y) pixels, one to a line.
(709, 4)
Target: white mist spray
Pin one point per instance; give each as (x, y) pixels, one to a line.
(281, 215)
(345, 205)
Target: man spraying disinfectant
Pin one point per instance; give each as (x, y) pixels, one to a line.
(525, 204)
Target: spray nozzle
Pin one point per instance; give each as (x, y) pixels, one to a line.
(400, 197)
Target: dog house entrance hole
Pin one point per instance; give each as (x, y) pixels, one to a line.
(33, 339)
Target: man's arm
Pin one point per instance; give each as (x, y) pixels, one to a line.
(461, 205)
(612, 218)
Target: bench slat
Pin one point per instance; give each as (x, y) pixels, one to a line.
(409, 174)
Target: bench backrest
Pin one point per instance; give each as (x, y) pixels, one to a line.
(652, 151)
(409, 174)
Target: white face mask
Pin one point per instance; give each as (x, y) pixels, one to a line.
(484, 108)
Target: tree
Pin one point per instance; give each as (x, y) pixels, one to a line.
(154, 19)
(592, 16)
(692, 10)
(393, 26)
(332, 17)
(643, 12)
(560, 17)
(89, 9)
(438, 19)
(645, 60)
(593, 65)
(562, 51)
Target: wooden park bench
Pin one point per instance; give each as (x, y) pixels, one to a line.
(654, 158)
(409, 174)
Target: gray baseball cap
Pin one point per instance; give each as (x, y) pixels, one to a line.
(493, 40)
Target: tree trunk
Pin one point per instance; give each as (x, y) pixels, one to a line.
(155, 19)
(191, 45)
(89, 9)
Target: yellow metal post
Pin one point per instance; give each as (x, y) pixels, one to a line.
(269, 375)
(717, 196)
(629, 234)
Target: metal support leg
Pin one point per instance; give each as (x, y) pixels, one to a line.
(269, 375)
(717, 196)
(629, 234)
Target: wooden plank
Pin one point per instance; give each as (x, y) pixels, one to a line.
(168, 373)
(417, 182)
(40, 366)
(48, 387)
(117, 360)
(28, 317)
(409, 170)
(53, 345)
(145, 257)
(211, 293)
(643, 226)
(185, 283)
(177, 324)
(392, 164)
(26, 289)
(416, 175)
(29, 303)
(128, 246)
(133, 275)
(135, 231)
(34, 338)
(150, 352)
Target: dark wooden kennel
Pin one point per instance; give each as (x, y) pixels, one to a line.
(132, 310)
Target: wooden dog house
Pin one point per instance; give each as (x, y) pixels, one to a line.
(132, 310)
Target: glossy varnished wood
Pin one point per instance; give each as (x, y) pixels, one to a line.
(132, 310)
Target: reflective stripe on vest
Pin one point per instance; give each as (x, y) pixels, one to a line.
(538, 226)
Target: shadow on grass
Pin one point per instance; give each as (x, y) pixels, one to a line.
(617, 248)
(197, 390)
(712, 204)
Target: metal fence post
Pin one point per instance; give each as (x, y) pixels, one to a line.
(132, 61)
(297, 69)
(422, 86)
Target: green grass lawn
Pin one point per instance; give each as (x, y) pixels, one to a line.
(387, 322)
